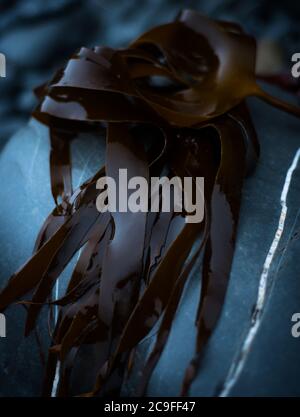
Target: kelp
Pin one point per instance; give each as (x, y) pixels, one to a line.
(183, 83)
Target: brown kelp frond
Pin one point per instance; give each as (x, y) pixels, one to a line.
(183, 86)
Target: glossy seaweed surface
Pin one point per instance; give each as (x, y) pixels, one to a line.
(133, 267)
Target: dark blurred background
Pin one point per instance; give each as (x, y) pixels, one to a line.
(37, 36)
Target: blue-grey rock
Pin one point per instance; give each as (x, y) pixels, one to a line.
(271, 367)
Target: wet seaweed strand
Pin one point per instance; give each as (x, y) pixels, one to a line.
(133, 267)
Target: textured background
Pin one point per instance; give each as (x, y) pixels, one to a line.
(37, 36)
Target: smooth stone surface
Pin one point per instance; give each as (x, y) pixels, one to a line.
(26, 201)
(272, 367)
